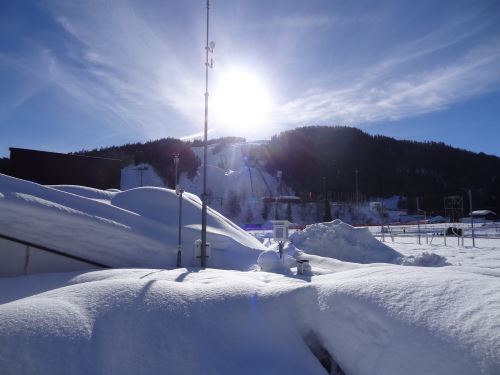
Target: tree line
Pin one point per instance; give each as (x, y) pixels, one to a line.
(319, 159)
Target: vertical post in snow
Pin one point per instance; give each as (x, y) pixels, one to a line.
(357, 188)
(179, 243)
(471, 218)
(176, 166)
(418, 222)
(204, 194)
(179, 192)
(26, 260)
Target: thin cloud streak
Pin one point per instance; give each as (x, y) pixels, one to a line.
(128, 72)
(371, 99)
(137, 75)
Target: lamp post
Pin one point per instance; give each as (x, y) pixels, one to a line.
(209, 48)
(357, 188)
(425, 222)
(141, 170)
(471, 218)
(279, 174)
(179, 192)
(418, 222)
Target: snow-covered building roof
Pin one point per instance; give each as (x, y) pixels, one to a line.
(483, 213)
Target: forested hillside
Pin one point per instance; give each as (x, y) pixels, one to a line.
(159, 154)
(320, 159)
(385, 166)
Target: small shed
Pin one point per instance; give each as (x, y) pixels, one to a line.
(483, 215)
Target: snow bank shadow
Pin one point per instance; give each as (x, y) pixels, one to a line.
(321, 353)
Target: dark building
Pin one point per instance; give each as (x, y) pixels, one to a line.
(51, 168)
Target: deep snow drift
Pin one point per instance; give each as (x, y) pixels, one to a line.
(133, 228)
(344, 242)
(383, 319)
(341, 241)
(368, 318)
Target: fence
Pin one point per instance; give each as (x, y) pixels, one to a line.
(429, 233)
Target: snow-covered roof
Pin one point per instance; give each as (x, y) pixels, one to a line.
(483, 213)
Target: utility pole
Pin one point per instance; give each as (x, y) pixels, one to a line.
(471, 218)
(279, 175)
(176, 165)
(141, 171)
(357, 188)
(418, 221)
(179, 192)
(208, 49)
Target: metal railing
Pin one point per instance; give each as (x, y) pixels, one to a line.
(53, 251)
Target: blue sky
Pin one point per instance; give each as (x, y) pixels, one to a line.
(83, 74)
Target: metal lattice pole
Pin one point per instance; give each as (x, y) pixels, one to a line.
(208, 49)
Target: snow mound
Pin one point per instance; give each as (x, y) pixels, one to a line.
(425, 259)
(134, 228)
(342, 241)
(374, 320)
(269, 261)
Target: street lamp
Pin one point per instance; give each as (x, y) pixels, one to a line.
(425, 222)
(179, 192)
(279, 175)
(141, 170)
(209, 48)
(471, 218)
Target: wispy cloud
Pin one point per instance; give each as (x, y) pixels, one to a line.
(121, 66)
(305, 21)
(36, 69)
(143, 73)
(379, 94)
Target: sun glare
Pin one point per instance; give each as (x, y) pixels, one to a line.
(241, 100)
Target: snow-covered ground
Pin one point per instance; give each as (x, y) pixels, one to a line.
(485, 254)
(364, 316)
(381, 319)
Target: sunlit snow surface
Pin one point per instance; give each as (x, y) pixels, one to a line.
(132, 228)
(372, 318)
(382, 319)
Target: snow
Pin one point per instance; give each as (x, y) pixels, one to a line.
(230, 173)
(133, 228)
(343, 242)
(384, 319)
(249, 313)
(269, 261)
(139, 175)
(485, 255)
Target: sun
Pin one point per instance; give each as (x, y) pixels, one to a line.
(241, 100)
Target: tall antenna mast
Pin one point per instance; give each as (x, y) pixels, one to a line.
(209, 48)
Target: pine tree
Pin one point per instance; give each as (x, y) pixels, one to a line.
(248, 215)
